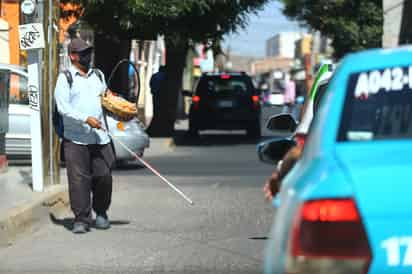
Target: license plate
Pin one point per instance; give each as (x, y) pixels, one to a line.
(225, 104)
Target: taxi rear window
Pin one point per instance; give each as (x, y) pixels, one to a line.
(378, 106)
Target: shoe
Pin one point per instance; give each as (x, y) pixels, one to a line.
(80, 228)
(102, 222)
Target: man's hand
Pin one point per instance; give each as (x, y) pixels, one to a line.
(273, 183)
(266, 191)
(272, 186)
(93, 122)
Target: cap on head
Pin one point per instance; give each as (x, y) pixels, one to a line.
(78, 45)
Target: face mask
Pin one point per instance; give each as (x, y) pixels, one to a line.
(85, 59)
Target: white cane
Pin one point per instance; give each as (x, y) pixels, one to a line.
(152, 169)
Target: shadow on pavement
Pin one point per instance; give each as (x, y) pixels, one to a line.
(262, 238)
(67, 223)
(129, 166)
(214, 138)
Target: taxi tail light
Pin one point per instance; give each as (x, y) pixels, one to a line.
(329, 233)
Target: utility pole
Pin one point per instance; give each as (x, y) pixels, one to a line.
(42, 70)
(52, 150)
(315, 49)
(33, 13)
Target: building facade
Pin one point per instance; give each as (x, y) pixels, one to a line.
(9, 25)
(282, 45)
(9, 54)
(303, 46)
(271, 64)
(392, 12)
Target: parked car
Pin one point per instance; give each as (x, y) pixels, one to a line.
(345, 206)
(18, 139)
(225, 101)
(130, 133)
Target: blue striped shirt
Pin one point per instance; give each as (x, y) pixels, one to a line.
(79, 102)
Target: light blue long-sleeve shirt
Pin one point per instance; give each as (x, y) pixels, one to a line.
(79, 102)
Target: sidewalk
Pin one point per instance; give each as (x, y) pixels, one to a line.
(22, 210)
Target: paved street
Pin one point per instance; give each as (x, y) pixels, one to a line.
(154, 230)
(133, 73)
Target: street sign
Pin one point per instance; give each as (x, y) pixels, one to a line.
(36, 127)
(28, 7)
(31, 36)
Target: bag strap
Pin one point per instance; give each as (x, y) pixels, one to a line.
(99, 74)
(69, 77)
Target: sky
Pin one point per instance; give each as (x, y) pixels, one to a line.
(266, 24)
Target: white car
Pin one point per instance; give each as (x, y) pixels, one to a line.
(130, 133)
(18, 138)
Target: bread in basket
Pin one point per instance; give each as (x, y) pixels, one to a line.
(118, 107)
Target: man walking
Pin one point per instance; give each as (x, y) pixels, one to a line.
(88, 153)
(156, 82)
(289, 95)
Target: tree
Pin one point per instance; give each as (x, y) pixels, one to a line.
(351, 24)
(182, 22)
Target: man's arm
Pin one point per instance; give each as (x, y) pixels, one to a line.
(62, 95)
(104, 87)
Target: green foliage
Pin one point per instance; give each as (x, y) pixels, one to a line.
(351, 24)
(181, 22)
(197, 20)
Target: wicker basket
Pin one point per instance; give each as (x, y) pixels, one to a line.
(119, 108)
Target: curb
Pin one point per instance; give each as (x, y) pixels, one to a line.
(160, 146)
(26, 217)
(170, 143)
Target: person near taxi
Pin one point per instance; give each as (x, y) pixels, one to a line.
(273, 183)
(88, 153)
(289, 94)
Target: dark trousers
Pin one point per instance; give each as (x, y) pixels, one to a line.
(90, 180)
(156, 103)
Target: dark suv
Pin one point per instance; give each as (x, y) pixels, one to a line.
(225, 101)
